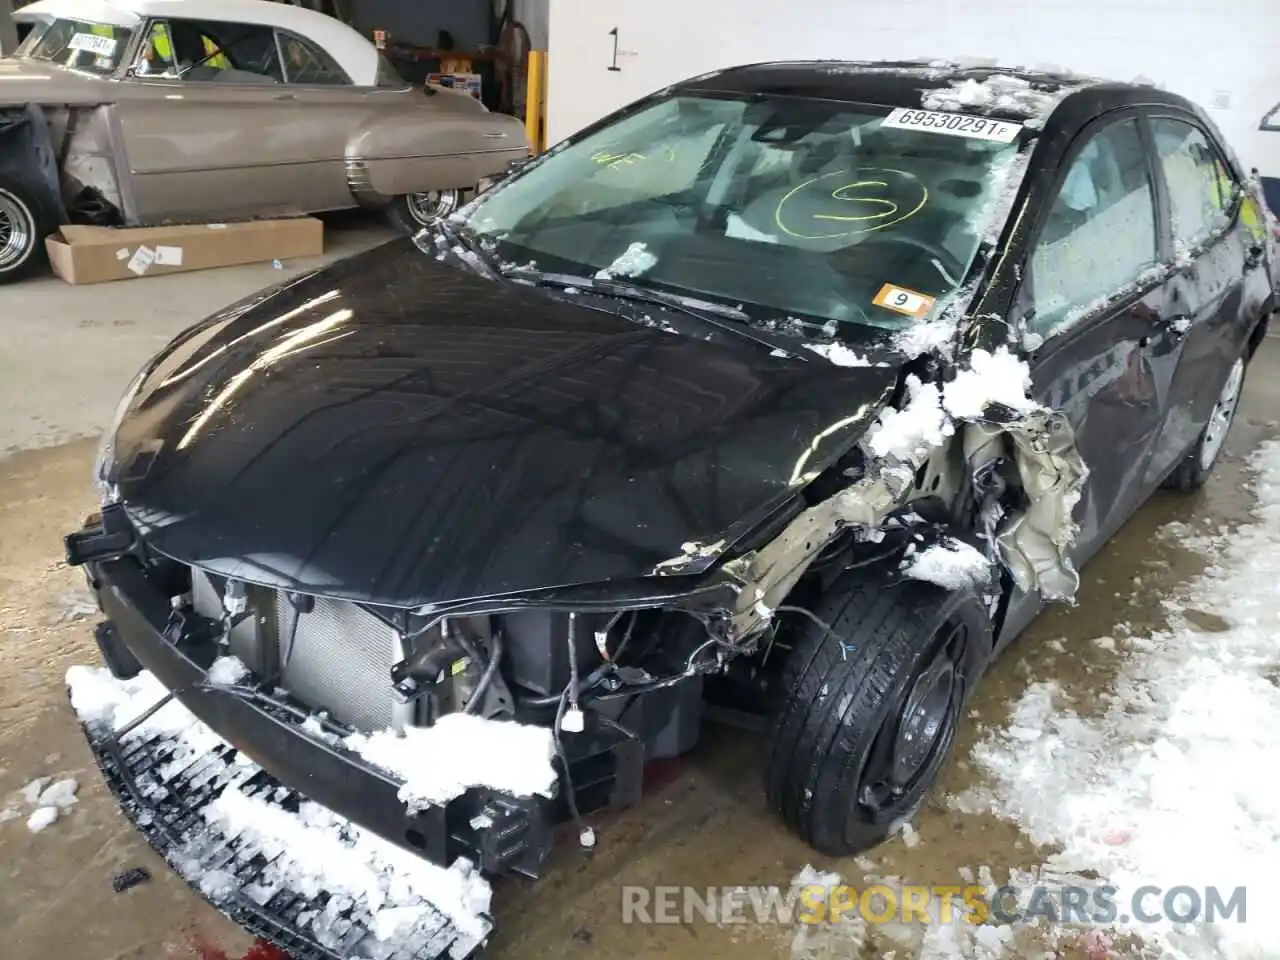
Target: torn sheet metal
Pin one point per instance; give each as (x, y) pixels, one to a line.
(1035, 544)
(767, 575)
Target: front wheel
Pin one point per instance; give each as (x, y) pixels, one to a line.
(22, 231)
(410, 212)
(870, 710)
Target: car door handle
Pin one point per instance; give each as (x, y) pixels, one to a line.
(285, 96)
(495, 136)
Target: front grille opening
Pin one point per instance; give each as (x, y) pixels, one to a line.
(331, 655)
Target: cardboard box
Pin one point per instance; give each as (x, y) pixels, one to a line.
(473, 83)
(82, 255)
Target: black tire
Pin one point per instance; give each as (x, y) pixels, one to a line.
(409, 213)
(839, 705)
(25, 221)
(1194, 470)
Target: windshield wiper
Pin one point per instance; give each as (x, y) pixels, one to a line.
(729, 319)
(464, 238)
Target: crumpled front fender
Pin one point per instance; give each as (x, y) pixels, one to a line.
(1034, 543)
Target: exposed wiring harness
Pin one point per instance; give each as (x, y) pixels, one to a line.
(586, 835)
(845, 645)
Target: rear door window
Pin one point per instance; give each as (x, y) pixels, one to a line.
(1202, 190)
(306, 63)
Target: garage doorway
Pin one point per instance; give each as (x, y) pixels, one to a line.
(494, 49)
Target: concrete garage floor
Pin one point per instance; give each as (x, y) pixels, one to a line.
(65, 355)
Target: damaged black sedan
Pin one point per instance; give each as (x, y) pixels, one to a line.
(794, 390)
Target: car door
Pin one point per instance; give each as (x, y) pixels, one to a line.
(210, 131)
(1220, 276)
(1092, 296)
(329, 109)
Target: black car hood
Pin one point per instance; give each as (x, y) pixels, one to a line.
(400, 431)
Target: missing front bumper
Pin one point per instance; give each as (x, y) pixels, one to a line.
(262, 747)
(166, 808)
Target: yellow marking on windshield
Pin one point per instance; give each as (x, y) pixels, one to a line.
(607, 158)
(890, 215)
(840, 195)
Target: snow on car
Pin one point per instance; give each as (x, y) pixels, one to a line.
(835, 389)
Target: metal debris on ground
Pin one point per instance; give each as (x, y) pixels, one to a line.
(128, 879)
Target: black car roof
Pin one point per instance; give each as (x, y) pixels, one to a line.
(902, 83)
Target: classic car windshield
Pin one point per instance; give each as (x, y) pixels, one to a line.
(78, 44)
(794, 206)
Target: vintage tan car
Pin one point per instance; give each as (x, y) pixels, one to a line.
(145, 112)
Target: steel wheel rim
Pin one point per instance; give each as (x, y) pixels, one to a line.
(1224, 412)
(923, 720)
(17, 231)
(915, 740)
(426, 208)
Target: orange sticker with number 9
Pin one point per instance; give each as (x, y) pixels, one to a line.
(912, 303)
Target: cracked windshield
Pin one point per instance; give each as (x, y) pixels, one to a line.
(779, 205)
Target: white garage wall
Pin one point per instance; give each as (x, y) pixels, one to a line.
(1224, 56)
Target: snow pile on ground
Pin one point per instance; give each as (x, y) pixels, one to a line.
(404, 898)
(440, 762)
(41, 818)
(227, 671)
(76, 606)
(950, 932)
(634, 261)
(838, 354)
(48, 798)
(952, 564)
(1001, 92)
(1174, 783)
(31, 792)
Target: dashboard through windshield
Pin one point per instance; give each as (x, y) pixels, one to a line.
(797, 207)
(85, 45)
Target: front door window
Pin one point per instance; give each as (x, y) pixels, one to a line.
(1100, 236)
(200, 51)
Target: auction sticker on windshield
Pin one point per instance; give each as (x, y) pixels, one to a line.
(901, 300)
(102, 46)
(952, 124)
